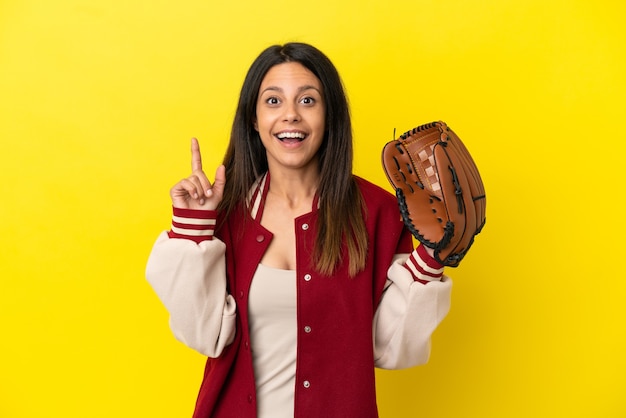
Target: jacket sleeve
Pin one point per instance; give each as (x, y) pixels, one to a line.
(188, 274)
(415, 300)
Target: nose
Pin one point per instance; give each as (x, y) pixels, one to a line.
(291, 113)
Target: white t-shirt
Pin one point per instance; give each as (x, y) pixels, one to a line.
(273, 336)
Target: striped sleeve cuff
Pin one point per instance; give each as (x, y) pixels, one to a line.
(193, 224)
(423, 267)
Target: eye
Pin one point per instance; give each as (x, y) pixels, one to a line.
(307, 100)
(272, 100)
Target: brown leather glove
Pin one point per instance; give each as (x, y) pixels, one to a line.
(439, 190)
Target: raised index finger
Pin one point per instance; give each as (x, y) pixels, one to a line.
(196, 158)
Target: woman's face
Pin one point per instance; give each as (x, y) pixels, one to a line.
(290, 116)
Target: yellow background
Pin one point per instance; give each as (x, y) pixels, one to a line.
(98, 100)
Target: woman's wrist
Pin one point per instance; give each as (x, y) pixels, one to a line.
(423, 265)
(193, 224)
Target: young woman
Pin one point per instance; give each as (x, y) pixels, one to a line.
(295, 277)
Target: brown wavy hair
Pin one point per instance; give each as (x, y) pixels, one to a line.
(341, 209)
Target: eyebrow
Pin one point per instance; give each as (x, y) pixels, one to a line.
(300, 89)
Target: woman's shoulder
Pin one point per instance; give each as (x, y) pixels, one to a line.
(374, 194)
(381, 210)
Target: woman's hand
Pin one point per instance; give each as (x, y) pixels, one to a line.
(196, 191)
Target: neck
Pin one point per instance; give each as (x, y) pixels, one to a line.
(296, 187)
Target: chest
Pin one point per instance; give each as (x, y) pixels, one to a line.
(329, 297)
(279, 219)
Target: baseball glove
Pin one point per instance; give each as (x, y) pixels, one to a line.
(439, 190)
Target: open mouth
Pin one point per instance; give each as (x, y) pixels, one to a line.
(291, 136)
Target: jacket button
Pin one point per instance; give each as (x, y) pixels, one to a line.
(260, 238)
(241, 294)
(307, 277)
(307, 329)
(249, 398)
(306, 384)
(305, 226)
(246, 344)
